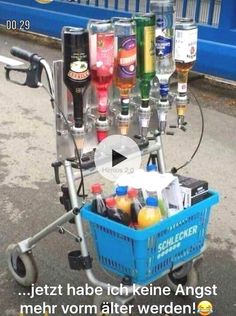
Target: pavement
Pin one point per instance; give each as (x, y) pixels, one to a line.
(29, 195)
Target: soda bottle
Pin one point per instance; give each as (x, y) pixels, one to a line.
(98, 205)
(75, 43)
(149, 214)
(135, 205)
(137, 183)
(152, 168)
(151, 188)
(115, 214)
(123, 203)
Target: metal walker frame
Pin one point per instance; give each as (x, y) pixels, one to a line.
(28, 244)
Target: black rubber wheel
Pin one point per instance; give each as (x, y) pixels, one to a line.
(24, 270)
(190, 279)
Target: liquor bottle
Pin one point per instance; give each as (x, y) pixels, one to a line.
(145, 29)
(165, 62)
(125, 66)
(75, 45)
(186, 36)
(101, 41)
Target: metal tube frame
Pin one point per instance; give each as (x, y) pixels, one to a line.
(28, 244)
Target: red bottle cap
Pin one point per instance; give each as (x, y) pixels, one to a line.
(132, 193)
(96, 188)
(110, 202)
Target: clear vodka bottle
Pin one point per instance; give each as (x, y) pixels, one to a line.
(165, 60)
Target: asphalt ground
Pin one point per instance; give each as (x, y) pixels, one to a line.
(29, 195)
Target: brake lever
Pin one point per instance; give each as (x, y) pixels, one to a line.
(34, 73)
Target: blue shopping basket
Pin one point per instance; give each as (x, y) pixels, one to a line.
(145, 255)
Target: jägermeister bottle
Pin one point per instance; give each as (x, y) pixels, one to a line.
(145, 25)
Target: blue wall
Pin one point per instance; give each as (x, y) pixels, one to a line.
(217, 44)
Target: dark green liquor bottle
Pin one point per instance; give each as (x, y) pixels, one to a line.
(145, 24)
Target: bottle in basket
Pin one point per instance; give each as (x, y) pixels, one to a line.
(151, 189)
(115, 214)
(135, 205)
(122, 201)
(98, 205)
(149, 214)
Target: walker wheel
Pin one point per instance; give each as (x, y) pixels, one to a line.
(191, 278)
(22, 267)
(100, 301)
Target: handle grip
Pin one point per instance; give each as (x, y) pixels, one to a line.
(21, 53)
(33, 73)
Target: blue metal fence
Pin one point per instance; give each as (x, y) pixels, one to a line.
(216, 19)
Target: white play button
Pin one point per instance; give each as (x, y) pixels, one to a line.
(117, 155)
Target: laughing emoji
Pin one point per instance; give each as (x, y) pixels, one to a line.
(205, 308)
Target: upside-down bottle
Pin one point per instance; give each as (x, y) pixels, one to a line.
(125, 66)
(76, 71)
(101, 42)
(165, 61)
(145, 26)
(186, 36)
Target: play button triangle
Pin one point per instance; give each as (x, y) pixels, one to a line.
(117, 158)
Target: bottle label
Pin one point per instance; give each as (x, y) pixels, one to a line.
(149, 49)
(164, 90)
(79, 69)
(182, 87)
(186, 45)
(162, 22)
(127, 57)
(105, 49)
(163, 46)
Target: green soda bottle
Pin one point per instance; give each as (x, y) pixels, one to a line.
(145, 30)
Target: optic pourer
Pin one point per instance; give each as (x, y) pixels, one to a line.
(144, 120)
(162, 110)
(181, 107)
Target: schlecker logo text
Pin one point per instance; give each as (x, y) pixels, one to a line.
(44, 1)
